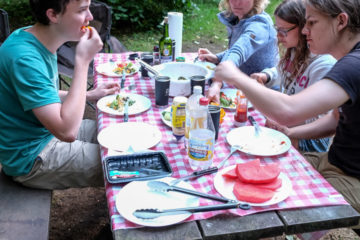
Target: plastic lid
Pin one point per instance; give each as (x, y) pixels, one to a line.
(197, 89)
(204, 101)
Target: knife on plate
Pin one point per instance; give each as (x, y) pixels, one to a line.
(256, 126)
(126, 110)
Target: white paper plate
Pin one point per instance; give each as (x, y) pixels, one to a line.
(209, 66)
(225, 188)
(231, 93)
(107, 69)
(269, 143)
(137, 195)
(141, 104)
(166, 122)
(120, 136)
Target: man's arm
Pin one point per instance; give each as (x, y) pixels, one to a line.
(63, 120)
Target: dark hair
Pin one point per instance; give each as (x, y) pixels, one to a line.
(333, 8)
(39, 8)
(293, 11)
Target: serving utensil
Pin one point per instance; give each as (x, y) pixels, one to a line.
(151, 213)
(195, 174)
(165, 187)
(148, 67)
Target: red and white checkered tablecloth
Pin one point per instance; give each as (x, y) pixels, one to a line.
(309, 187)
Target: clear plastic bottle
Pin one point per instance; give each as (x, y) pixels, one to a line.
(192, 106)
(240, 116)
(201, 138)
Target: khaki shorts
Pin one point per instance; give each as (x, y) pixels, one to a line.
(63, 165)
(348, 186)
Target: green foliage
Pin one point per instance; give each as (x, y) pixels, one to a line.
(147, 14)
(200, 27)
(19, 12)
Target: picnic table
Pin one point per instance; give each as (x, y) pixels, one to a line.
(312, 205)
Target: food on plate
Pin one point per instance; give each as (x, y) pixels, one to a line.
(253, 172)
(231, 174)
(182, 78)
(166, 115)
(251, 193)
(253, 182)
(227, 101)
(128, 68)
(119, 102)
(210, 68)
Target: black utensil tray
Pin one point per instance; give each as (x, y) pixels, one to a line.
(137, 166)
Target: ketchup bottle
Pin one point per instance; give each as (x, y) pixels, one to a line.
(240, 116)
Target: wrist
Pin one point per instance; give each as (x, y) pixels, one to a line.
(268, 78)
(216, 85)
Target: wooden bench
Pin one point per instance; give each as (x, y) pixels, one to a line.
(24, 212)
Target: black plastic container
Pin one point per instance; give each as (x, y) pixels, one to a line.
(137, 166)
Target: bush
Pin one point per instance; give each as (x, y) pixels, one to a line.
(19, 13)
(126, 15)
(145, 15)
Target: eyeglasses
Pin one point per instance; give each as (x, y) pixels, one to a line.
(284, 32)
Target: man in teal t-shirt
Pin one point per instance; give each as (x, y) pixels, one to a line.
(44, 142)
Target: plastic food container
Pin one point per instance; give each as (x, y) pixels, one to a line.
(136, 167)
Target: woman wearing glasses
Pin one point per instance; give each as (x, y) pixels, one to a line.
(252, 39)
(332, 26)
(297, 69)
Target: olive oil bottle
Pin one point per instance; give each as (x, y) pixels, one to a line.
(166, 44)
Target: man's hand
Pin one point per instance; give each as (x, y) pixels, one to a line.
(103, 90)
(90, 44)
(214, 92)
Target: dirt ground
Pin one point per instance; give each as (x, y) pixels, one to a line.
(82, 214)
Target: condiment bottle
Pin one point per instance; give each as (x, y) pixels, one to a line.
(192, 106)
(240, 117)
(178, 113)
(166, 44)
(156, 55)
(201, 138)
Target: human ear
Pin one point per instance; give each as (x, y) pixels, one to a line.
(52, 15)
(343, 19)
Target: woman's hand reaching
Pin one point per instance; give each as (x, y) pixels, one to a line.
(205, 55)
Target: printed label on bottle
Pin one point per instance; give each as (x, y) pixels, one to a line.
(165, 59)
(178, 118)
(201, 145)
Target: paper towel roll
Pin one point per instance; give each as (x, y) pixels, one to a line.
(175, 20)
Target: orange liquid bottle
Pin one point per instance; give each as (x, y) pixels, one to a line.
(240, 116)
